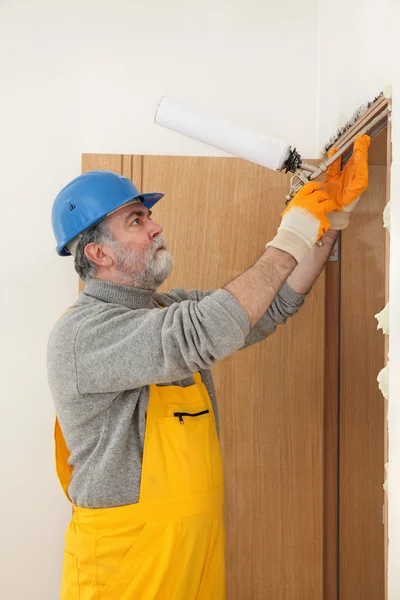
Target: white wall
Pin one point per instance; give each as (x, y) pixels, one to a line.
(86, 77)
(359, 48)
(354, 59)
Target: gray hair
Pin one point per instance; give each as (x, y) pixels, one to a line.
(97, 234)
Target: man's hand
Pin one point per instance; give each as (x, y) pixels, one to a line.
(305, 221)
(346, 186)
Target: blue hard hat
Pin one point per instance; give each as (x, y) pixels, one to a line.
(87, 199)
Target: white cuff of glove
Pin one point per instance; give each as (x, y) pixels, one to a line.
(292, 243)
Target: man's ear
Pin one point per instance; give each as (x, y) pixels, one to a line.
(100, 254)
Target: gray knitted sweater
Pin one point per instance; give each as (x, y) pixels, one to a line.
(103, 356)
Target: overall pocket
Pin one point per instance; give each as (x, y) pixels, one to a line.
(191, 451)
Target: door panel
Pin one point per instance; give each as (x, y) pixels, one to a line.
(217, 215)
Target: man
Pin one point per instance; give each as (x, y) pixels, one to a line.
(129, 369)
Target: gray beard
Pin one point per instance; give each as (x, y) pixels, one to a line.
(146, 269)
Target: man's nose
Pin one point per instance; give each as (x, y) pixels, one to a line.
(156, 230)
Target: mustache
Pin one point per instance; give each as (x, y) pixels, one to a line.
(159, 243)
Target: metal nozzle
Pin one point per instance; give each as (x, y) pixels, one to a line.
(293, 162)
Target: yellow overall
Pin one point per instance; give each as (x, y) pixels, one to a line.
(170, 545)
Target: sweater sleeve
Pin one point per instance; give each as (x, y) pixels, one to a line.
(118, 349)
(286, 303)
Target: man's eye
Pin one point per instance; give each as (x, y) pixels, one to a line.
(136, 221)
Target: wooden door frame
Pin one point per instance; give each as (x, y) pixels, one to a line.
(332, 365)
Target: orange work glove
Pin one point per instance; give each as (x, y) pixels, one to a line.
(305, 221)
(345, 187)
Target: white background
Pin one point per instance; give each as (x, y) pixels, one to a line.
(87, 77)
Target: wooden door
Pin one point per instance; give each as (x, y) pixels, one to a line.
(217, 215)
(354, 424)
(362, 406)
(360, 420)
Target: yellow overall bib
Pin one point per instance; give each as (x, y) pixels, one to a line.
(170, 545)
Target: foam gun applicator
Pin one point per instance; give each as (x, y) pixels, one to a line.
(225, 135)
